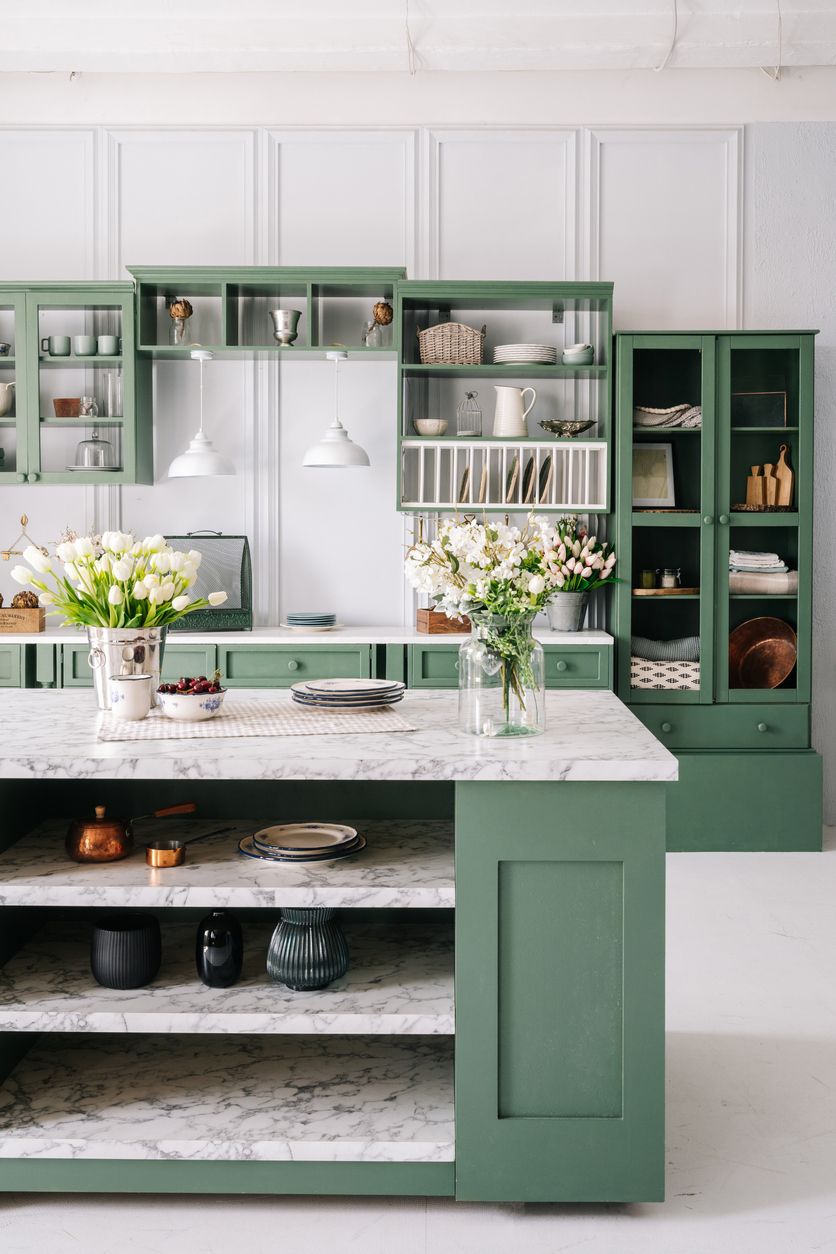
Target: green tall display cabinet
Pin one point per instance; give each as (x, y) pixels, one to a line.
(748, 778)
(54, 333)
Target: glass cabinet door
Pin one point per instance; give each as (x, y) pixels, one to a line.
(764, 482)
(666, 556)
(81, 385)
(14, 447)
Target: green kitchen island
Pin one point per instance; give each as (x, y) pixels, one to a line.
(499, 1034)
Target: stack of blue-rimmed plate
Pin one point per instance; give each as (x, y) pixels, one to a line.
(347, 694)
(302, 842)
(311, 621)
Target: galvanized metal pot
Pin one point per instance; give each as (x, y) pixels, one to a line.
(567, 611)
(124, 651)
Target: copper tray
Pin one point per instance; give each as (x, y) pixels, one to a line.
(762, 653)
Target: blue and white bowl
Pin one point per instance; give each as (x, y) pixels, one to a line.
(194, 707)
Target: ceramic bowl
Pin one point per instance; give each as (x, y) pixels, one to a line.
(430, 426)
(193, 707)
(578, 355)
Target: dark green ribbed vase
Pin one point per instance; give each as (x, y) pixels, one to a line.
(307, 950)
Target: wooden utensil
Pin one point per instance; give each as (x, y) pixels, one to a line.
(784, 477)
(754, 487)
(770, 486)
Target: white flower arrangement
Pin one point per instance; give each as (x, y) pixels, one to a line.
(116, 581)
(501, 569)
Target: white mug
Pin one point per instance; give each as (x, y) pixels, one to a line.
(130, 697)
(509, 416)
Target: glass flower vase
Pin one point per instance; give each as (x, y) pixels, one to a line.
(502, 687)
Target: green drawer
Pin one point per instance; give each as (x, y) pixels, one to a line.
(11, 665)
(188, 659)
(75, 673)
(578, 666)
(280, 665)
(728, 726)
(567, 666)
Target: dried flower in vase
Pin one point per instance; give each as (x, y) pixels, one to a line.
(383, 313)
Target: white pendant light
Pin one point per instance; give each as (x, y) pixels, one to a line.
(336, 448)
(201, 459)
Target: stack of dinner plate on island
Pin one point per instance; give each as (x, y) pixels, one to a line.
(347, 694)
(532, 354)
(311, 621)
(302, 842)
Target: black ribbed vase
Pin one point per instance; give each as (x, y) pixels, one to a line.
(219, 949)
(126, 950)
(307, 950)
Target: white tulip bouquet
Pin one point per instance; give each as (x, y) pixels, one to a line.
(116, 581)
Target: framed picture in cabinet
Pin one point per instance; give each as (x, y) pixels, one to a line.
(653, 476)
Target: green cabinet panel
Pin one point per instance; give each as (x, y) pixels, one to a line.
(47, 665)
(11, 665)
(560, 992)
(280, 665)
(728, 727)
(765, 801)
(75, 673)
(188, 659)
(567, 666)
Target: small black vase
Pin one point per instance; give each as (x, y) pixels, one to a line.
(219, 949)
(126, 950)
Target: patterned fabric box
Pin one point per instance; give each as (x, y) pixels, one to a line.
(666, 676)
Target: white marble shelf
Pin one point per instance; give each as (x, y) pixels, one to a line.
(406, 864)
(359, 634)
(335, 1099)
(400, 982)
(590, 736)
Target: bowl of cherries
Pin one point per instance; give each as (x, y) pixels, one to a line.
(191, 700)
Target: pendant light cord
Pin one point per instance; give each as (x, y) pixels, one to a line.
(674, 35)
(202, 363)
(775, 71)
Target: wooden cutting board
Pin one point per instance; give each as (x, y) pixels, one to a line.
(785, 477)
(665, 592)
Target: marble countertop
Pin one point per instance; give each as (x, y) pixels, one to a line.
(405, 865)
(590, 735)
(400, 982)
(343, 635)
(337, 1099)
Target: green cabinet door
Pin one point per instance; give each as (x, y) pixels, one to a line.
(560, 901)
(11, 667)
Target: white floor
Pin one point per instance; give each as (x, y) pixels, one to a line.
(751, 1112)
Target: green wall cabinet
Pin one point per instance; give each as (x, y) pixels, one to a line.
(39, 447)
(745, 383)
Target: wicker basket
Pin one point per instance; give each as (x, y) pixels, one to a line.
(451, 344)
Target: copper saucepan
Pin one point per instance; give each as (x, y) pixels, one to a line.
(108, 838)
(165, 853)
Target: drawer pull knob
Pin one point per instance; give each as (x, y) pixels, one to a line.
(708, 519)
(293, 665)
(723, 520)
(562, 666)
(667, 727)
(455, 665)
(32, 477)
(762, 727)
(21, 478)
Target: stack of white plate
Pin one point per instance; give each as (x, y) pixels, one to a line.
(302, 842)
(531, 354)
(347, 694)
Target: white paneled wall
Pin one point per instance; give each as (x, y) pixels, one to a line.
(654, 209)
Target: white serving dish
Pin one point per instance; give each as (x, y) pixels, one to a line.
(430, 426)
(191, 708)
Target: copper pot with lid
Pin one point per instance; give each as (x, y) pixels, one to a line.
(107, 839)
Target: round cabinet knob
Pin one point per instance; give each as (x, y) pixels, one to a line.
(667, 727)
(762, 727)
(21, 478)
(456, 665)
(708, 520)
(562, 666)
(723, 520)
(33, 477)
(293, 665)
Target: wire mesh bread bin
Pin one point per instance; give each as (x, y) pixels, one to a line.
(451, 344)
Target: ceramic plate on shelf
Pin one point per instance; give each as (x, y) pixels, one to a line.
(546, 471)
(464, 487)
(339, 686)
(250, 850)
(311, 627)
(304, 837)
(528, 480)
(511, 481)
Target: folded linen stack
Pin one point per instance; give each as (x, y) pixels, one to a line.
(754, 573)
(683, 649)
(676, 416)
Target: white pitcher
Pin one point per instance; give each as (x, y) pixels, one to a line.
(509, 415)
(7, 395)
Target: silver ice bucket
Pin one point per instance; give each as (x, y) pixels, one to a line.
(124, 651)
